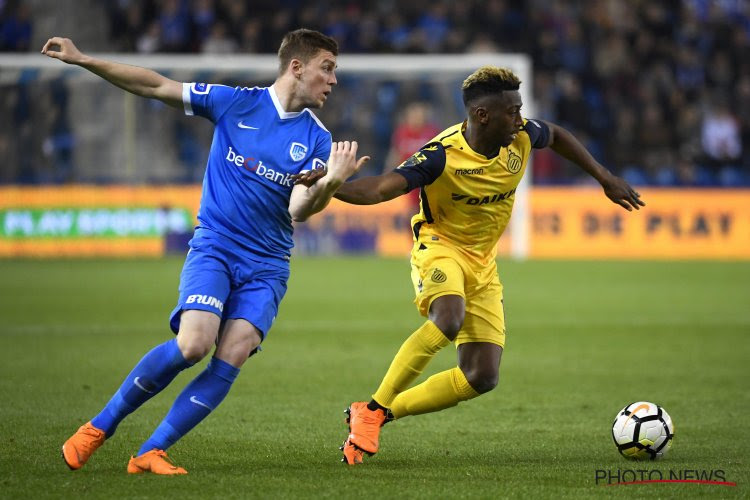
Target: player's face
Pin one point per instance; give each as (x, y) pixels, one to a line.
(317, 79)
(505, 115)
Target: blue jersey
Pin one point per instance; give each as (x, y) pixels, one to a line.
(256, 148)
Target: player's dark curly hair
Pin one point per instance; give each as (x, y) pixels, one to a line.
(304, 44)
(488, 80)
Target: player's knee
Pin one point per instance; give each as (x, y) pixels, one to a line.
(194, 352)
(194, 347)
(448, 312)
(237, 352)
(482, 381)
(449, 324)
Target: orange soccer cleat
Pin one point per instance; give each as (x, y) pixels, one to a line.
(364, 427)
(352, 454)
(81, 445)
(155, 462)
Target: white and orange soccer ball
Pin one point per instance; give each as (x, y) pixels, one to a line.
(643, 431)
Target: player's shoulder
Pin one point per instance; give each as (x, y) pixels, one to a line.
(225, 93)
(536, 132)
(449, 137)
(316, 121)
(533, 125)
(433, 152)
(240, 92)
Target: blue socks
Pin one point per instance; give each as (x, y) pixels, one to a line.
(196, 401)
(152, 374)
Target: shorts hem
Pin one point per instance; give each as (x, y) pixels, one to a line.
(437, 296)
(175, 317)
(460, 341)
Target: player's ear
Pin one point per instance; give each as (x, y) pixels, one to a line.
(481, 115)
(296, 66)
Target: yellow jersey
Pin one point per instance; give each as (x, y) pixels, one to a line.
(466, 198)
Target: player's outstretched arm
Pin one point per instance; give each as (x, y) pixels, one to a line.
(139, 81)
(342, 164)
(617, 189)
(373, 189)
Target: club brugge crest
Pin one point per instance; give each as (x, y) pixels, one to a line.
(438, 276)
(297, 151)
(514, 162)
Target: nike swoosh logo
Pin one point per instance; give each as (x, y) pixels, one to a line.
(636, 409)
(242, 125)
(138, 384)
(195, 400)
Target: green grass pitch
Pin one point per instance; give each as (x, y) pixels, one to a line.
(584, 339)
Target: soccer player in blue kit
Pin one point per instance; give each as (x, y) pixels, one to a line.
(264, 170)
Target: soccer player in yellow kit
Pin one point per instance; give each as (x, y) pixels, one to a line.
(468, 177)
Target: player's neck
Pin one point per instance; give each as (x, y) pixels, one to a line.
(285, 92)
(486, 146)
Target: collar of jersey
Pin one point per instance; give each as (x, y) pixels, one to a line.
(284, 115)
(462, 140)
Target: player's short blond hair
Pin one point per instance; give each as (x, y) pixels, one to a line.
(489, 80)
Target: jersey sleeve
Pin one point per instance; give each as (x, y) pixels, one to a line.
(538, 133)
(320, 155)
(209, 101)
(424, 166)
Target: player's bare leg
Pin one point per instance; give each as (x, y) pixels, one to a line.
(480, 363)
(238, 339)
(197, 335)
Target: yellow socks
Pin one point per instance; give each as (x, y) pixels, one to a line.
(438, 392)
(409, 362)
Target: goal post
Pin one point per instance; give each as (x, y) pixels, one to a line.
(124, 145)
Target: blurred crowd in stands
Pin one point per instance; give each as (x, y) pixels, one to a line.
(658, 90)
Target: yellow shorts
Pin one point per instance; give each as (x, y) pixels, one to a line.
(438, 270)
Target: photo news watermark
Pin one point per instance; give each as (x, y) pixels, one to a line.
(622, 477)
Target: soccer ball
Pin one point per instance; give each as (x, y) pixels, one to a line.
(643, 431)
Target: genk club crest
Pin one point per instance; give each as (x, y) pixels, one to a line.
(298, 151)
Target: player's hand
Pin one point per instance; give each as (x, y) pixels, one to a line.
(343, 162)
(310, 177)
(63, 49)
(620, 192)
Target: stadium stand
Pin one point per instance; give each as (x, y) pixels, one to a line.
(659, 90)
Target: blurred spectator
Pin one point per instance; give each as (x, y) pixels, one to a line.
(722, 145)
(219, 41)
(250, 37)
(174, 23)
(150, 40)
(414, 130)
(434, 26)
(720, 135)
(203, 15)
(395, 34)
(634, 79)
(15, 26)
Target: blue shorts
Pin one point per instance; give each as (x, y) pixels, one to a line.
(220, 277)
